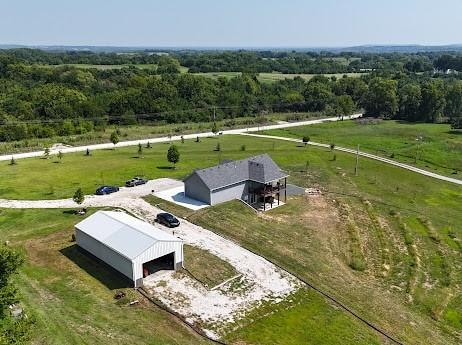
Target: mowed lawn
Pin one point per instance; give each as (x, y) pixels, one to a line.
(436, 146)
(386, 243)
(69, 295)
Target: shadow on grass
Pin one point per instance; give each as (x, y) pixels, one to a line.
(99, 270)
(69, 212)
(165, 167)
(455, 131)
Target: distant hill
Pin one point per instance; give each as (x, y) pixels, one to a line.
(355, 49)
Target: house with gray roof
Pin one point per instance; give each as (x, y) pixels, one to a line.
(258, 181)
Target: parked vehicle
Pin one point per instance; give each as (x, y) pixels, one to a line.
(136, 181)
(167, 219)
(106, 190)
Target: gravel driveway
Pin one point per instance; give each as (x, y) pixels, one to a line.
(260, 281)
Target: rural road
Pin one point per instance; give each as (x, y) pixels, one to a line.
(367, 155)
(173, 138)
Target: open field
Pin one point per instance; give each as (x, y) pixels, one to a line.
(206, 267)
(438, 149)
(387, 243)
(272, 77)
(262, 77)
(70, 296)
(104, 67)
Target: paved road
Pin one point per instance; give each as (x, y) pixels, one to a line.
(173, 138)
(367, 155)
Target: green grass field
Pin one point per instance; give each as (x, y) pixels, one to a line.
(438, 149)
(387, 243)
(272, 77)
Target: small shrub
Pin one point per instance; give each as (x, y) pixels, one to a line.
(357, 264)
(198, 140)
(243, 147)
(392, 155)
(13, 161)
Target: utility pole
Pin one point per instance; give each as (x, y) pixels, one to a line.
(357, 161)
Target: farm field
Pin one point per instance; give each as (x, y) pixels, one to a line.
(386, 243)
(272, 77)
(438, 148)
(70, 296)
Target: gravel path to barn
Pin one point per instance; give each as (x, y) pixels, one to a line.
(261, 281)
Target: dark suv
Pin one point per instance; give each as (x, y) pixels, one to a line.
(136, 181)
(106, 190)
(167, 219)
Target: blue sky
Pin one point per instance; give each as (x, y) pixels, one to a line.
(232, 23)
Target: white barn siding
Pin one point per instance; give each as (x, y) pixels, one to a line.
(154, 252)
(112, 258)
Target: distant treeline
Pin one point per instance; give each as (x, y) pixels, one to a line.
(39, 102)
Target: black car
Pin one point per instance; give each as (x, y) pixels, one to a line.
(136, 181)
(167, 219)
(106, 190)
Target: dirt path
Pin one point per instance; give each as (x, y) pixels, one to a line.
(261, 281)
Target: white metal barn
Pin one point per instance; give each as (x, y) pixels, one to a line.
(131, 246)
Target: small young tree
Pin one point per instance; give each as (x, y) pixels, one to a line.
(140, 150)
(332, 147)
(78, 197)
(243, 147)
(12, 161)
(173, 155)
(306, 140)
(60, 156)
(198, 140)
(182, 139)
(218, 147)
(214, 128)
(148, 145)
(114, 138)
(46, 153)
(87, 153)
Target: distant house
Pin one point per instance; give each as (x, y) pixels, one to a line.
(133, 247)
(258, 181)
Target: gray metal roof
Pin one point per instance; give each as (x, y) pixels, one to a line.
(123, 233)
(259, 168)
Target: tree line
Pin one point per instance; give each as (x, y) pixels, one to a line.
(42, 102)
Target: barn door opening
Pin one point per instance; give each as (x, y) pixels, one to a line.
(166, 262)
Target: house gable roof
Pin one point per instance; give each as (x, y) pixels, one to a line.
(259, 168)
